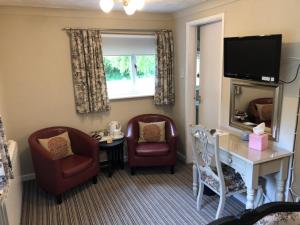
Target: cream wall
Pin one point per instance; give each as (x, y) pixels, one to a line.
(2, 101)
(36, 68)
(241, 18)
(248, 94)
(1, 95)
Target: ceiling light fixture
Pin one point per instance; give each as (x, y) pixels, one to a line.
(130, 6)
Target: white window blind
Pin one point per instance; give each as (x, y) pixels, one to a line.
(130, 65)
(128, 44)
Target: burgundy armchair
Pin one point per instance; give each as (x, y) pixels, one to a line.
(149, 153)
(57, 176)
(253, 112)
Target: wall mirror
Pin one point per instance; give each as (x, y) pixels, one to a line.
(252, 103)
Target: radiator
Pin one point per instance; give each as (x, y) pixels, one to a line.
(11, 200)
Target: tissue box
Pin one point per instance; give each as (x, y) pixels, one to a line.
(258, 142)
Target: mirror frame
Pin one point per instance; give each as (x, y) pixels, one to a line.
(277, 105)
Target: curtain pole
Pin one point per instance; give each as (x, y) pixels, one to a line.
(120, 31)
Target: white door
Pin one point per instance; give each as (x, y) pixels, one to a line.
(211, 56)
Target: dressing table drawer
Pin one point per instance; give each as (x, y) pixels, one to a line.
(233, 161)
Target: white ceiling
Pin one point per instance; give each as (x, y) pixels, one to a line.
(150, 5)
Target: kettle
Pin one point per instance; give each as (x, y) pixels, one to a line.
(114, 128)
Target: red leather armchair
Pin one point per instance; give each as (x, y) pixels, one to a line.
(151, 154)
(253, 112)
(57, 176)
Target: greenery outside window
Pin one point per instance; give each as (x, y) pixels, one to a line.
(130, 75)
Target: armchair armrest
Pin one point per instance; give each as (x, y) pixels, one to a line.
(83, 144)
(39, 151)
(131, 133)
(132, 140)
(172, 134)
(46, 168)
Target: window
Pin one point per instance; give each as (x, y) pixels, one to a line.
(130, 65)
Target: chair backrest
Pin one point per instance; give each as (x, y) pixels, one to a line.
(78, 138)
(148, 118)
(48, 132)
(52, 131)
(205, 146)
(252, 109)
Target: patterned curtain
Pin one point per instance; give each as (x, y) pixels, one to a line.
(5, 163)
(164, 82)
(88, 71)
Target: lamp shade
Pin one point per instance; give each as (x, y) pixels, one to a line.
(130, 8)
(106, 5)
(139, 4)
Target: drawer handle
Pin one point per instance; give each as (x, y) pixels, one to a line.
(229, 161)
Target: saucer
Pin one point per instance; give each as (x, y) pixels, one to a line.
(119, 136)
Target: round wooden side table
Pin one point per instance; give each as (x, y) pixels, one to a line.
(115, 154)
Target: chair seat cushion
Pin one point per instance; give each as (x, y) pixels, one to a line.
(74, 164)
(152, 149)
(233, 181)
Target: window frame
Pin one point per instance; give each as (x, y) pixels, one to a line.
(133, 77)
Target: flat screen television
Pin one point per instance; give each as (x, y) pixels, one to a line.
(254, 57)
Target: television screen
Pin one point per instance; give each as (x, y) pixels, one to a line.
(254, 57)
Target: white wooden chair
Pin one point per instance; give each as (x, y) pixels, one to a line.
(221, 179)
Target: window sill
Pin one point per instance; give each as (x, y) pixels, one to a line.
(130, 97)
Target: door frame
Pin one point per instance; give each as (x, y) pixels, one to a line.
(190, 68)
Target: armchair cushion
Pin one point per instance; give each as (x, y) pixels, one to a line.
(152, 149)
(265, 111)
(59, 146)
(74, 164)
(253, 110)
(152, 132)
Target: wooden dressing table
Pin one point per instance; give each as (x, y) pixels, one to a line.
(251, 164)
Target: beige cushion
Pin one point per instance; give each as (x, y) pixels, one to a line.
(59, 146)
(265, 111)
(152, 132)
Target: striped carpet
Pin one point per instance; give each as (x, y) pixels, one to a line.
(152, 196)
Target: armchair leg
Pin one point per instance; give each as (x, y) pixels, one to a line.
(132, 170)
(95, 180)
(58, 199)
(172, 169)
